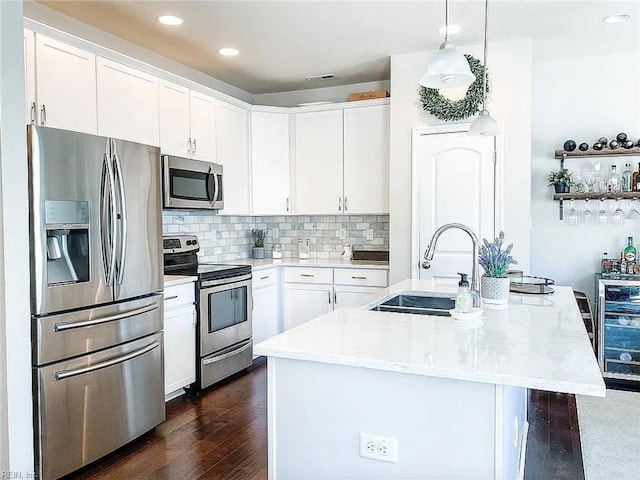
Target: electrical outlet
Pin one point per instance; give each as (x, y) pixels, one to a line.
(379, 448)
(368, 234)
(342, 233)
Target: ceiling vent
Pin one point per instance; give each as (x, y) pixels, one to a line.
(324, 76)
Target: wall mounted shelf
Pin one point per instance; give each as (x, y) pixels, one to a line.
(563, 155)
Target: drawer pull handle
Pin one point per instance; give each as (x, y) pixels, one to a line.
(306, 275)
(264, 278)
(171, 297)
(356, 277)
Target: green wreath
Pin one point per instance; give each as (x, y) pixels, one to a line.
(445, 109)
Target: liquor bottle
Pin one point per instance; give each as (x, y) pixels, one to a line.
(631, 267)
(583, 147)
(626, 178)
(621, 137)
(614, 182)
(630, 251)
(569, 146)
(623, 264)
(605, 264)
(636, 183)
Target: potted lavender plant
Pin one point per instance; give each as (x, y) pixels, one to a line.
(258, 236)
(494, 286)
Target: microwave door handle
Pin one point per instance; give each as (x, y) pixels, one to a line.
(123, 219)
(211, 185)
(108, 199)
(217, 186)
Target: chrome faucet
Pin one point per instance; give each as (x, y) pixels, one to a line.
(431, 249)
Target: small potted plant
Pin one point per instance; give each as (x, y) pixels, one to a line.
(258, 236)
(494, 286)
(560, 180)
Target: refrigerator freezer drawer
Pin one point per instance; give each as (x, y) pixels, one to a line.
(77, 333)
(92, 405)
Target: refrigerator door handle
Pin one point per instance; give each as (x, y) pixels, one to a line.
(62, 326)
(123, 218)
(107, 198)
(62, 374)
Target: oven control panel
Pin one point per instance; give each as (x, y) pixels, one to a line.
(179, 243)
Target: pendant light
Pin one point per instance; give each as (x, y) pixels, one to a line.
(447, 68)
(484, 124)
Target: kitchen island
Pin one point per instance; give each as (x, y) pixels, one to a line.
(453, 395)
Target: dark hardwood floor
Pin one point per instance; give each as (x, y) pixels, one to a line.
(222, 434)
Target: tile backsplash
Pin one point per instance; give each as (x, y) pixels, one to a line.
(224, 238)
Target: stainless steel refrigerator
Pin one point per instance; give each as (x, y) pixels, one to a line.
(96, 302)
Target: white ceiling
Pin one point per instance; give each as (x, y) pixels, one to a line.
(281, 42)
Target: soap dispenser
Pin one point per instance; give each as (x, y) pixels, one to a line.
(464, 300)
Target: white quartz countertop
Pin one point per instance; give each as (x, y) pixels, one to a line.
(170, 280)
(537, 342)
(259, 264)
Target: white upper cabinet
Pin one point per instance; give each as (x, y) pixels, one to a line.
(65, 86)
(127, 103)
(232, 135)
(319, 162)
(203, 127)
(270, 163)
(174, 119)
(30, 75)
(366, 159)
(342, 161)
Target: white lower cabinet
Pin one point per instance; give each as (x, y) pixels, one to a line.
(304, 302)
(179, 339)
(266, 318)
(310, 292)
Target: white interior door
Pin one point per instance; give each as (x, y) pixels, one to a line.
(455, 176)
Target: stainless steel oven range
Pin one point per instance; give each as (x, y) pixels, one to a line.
(223, 298)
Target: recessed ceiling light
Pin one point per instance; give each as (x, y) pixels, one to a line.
(617, 18)
(453, 29)
(228, 51)
(170, 20)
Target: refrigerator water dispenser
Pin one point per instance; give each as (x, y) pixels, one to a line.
(67, 226)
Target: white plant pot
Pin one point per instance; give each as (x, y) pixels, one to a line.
(495, 290)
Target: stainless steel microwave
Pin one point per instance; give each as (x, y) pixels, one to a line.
(191, 184)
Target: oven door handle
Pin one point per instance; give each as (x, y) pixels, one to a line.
(228, 353)
(59, 327)
(211, 185)
(62, 374)
(226, 281)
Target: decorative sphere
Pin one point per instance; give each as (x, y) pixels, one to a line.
(621, 137)
(627, 144)
(603, 140)
(613, 144)
(597, 146)
(569, 146)
(583, 147)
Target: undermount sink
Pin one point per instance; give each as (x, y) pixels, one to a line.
(420, 303)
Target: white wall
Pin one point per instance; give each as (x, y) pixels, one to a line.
(583, 99)
(510, 73)
(338, 93)
(16, 432)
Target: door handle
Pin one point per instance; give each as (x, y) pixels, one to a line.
(329, 292)
(33, 112)
(264, 278)
(43, 115)
(62, 326)
(345, 204)
(306, 275)
(123, 214)
(172, 297)
(189, 145)
(355, 277)
(62, 374)
(287, 204)
(335, 298)
(108, 199)
(195, 146)
(339, 204)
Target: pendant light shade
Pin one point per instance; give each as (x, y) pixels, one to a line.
(447, 68)
(484, 124)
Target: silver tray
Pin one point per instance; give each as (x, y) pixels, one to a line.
(532, 285)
